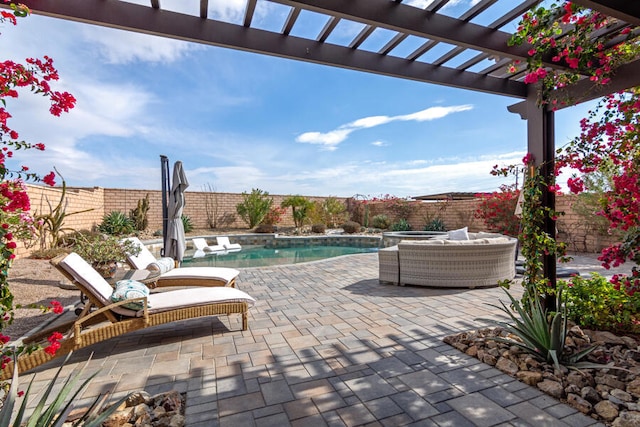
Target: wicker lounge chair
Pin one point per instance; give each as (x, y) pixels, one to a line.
(200, 244)
(181, 276)
(102, 319)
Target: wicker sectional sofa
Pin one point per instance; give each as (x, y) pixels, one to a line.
(483, 260)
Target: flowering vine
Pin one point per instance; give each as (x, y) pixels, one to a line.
(565, 35)
(587, 44)
(609, 138)
(15, 223)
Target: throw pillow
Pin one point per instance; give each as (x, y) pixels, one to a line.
(162, 265)
(459, 234)
(129, 289)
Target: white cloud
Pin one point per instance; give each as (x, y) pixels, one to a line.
(227, 10)
(330, 140)
(433, 113)
(368, 122)
(379, 144)
(125, 47)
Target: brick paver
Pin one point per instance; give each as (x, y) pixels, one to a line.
(327, 345)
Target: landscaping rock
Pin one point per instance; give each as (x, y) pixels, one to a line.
(143, 410)
(611, 396)
(627, 419)
(579, 403)
(552, 388)
(508, 366)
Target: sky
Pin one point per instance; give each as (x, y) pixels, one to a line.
(240, 121)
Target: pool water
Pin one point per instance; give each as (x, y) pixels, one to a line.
(259, 256)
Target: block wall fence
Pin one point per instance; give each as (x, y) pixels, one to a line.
(85, 208)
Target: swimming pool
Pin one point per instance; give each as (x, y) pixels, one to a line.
(260, 256)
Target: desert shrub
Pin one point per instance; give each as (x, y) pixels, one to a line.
(187, 223)
(435, 224)
(318, 228)
(254, 206)
(351, 227)
(381, 221)
(595, 303)
(116, 223)
(401, 225)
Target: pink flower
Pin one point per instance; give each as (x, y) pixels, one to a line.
(554, 188)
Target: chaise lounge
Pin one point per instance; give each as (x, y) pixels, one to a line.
(180, 276)
(102, 319)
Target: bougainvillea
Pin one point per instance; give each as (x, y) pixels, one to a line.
(609, 136)
(564, 35)
(497, 210)
(574, 37)
(15, 223)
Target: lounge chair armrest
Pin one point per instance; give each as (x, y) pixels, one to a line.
(79, 323)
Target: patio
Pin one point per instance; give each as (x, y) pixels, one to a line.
(327, 345)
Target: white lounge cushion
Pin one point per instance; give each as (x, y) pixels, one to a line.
(222, 273)
(192, 297)
(88, 277)
(144, 258)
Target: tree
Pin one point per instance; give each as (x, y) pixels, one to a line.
(300, 206)
(254, 206)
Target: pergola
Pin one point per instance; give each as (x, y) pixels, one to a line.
(476, 54)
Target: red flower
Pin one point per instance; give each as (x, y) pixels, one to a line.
(50, 178)
(11, 245)
(8, 236)
(57, 308)
(4, 339)
(576, 185)
(52, 348)
(39, 146)
(56, 336)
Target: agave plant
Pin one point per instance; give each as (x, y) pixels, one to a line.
(544, 339)
(55, 413)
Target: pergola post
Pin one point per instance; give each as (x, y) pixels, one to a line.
(541, 144)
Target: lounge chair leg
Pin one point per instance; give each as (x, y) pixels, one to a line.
(245, 321)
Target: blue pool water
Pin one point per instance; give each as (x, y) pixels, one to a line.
(259, 256)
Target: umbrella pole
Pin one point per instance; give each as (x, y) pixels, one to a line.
(164, 166)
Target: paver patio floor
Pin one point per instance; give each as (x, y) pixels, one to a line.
(327, 345)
